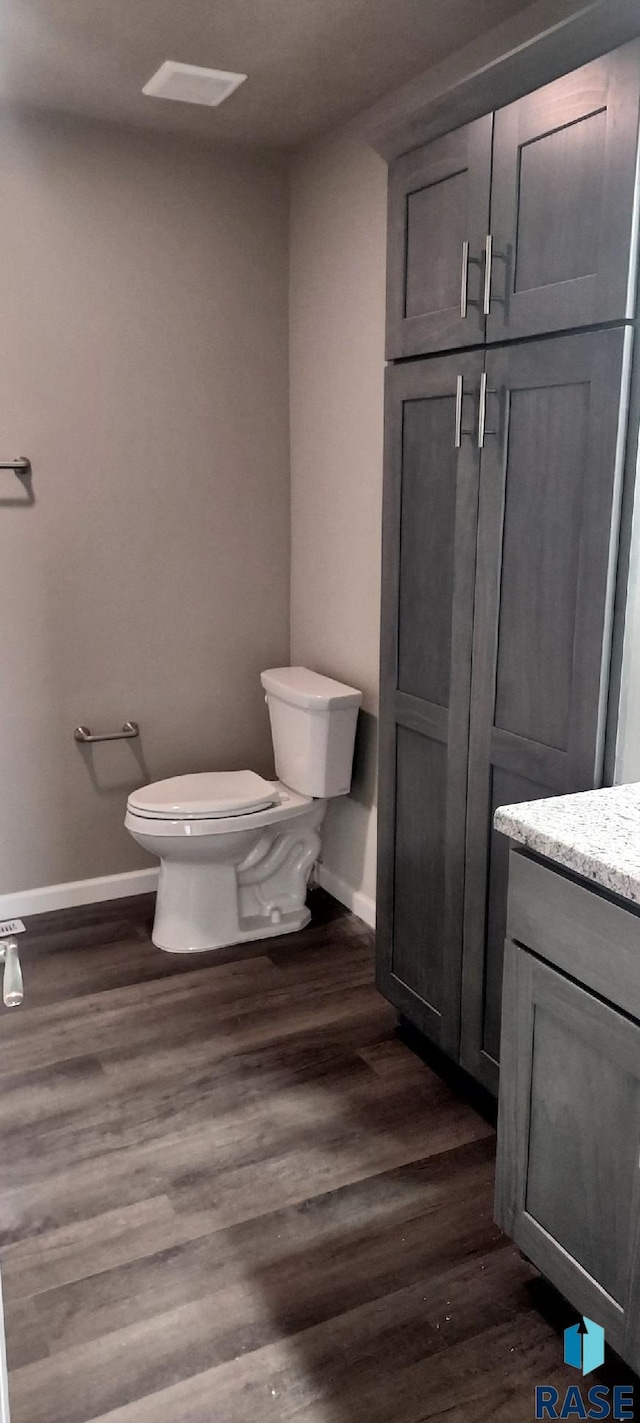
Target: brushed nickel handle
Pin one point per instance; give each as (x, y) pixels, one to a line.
(129, 730)
(457, 442)
(482, 410)
(464, 284)
(485, 390)
(488, 266)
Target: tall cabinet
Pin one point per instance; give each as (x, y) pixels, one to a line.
(511, 297)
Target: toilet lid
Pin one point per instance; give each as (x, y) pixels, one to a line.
(204, 796)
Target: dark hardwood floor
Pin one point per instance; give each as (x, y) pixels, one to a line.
(230, 1194)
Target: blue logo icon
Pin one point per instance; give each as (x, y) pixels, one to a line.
(584, 1349)
(584, 1346)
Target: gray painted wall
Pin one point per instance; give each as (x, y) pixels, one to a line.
(143, 312)
(337, 316)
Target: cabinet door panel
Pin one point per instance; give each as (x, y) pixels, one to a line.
(573, 1084)
(564, 196)
(547, 532)
(429, 547)
(438, 200)
(568, 1182)
(573, 156)
(420, 865)
(542, 516)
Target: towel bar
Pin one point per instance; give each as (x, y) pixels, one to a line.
(130, 729)
(19, 466)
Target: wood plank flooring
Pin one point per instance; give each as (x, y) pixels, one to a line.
(229, 1194)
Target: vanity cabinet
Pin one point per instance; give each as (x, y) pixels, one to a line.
(522, 223)
(568, 1170)
(502, 483)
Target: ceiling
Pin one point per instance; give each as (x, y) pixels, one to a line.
(312, 64)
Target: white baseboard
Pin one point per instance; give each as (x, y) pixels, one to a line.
(92, 891)
(81, 891)
(353, 899)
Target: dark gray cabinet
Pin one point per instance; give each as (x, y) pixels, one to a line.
(547, 533)
(522, 223)
(500, 527)
(430, 518)
(503, 468)
(563, 202)
(568, 1173)
(438, 221)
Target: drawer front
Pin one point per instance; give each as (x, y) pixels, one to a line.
(573, 927)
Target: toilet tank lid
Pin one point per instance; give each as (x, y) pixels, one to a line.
(304, 688)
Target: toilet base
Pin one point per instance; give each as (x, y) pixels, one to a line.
(254, 927)
(227, 888)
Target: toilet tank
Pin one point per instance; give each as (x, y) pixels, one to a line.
(313, 727)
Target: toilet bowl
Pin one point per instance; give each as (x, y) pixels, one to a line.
(236, 851)
(227, 878)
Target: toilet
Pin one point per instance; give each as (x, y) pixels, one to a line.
(235, 850)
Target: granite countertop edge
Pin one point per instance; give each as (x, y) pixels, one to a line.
(595, 834)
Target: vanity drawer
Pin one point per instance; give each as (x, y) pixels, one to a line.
(576, 928)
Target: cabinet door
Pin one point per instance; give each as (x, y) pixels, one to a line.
(563, 201)
(438, 221)
(429, 545)
(547, 533)
(568, 1178)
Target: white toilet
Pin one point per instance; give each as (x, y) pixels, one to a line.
(236, 851)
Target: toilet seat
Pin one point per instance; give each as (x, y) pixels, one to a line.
(207, 795)
(285, 805)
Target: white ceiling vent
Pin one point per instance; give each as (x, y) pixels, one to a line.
(191, 84)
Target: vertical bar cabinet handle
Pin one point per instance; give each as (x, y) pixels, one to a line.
(488, 265)
(459, 397)
(482, 410)
(464, 285)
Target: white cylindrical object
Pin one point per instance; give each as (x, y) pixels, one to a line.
(12, 986)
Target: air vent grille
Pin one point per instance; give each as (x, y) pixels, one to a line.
(192, 85)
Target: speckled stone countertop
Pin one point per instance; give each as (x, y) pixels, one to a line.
(594, 833)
